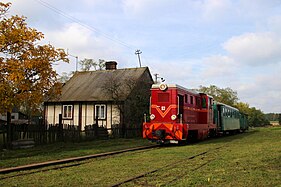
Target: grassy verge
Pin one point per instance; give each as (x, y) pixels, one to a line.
(10, 158)
(250, 159)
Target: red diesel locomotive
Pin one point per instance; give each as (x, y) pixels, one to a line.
(178, 115)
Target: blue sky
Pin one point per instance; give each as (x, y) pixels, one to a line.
(227, 43)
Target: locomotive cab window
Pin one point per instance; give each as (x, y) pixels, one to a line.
(163, 97)
(204, 104)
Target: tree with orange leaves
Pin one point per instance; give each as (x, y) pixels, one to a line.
(26, 73)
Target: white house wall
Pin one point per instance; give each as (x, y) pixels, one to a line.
(52, 112)
(58, 110)
(87, 115)
(75, 120)
(115, 115)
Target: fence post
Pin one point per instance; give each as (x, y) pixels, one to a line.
(9, 130)
(123, 130)
(60, 129)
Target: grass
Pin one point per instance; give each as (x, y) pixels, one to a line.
(11, 158)
(249, 159)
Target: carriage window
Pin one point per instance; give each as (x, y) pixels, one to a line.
(163, 97)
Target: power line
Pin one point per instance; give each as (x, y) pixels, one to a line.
(76, 57)
(91, 28)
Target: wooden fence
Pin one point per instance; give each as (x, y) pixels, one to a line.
(44, 134)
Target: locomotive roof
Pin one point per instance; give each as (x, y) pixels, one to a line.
(176, 86)
(219, 103)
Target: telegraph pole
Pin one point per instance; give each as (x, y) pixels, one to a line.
(138, 52)
(76, 57)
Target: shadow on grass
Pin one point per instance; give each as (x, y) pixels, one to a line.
(219, 139)
(228, 137)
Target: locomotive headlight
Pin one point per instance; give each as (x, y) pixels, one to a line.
(152, 116)
(173, 117)
(163, 87)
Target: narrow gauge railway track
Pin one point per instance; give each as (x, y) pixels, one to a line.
(166, 166)
(69, 160)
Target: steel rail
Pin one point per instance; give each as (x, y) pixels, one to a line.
(68, 160)
(168, 165)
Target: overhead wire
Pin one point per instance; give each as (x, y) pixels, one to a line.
(91, 28)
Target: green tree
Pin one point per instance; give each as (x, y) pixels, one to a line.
(272, 116)
(64, 77)
(87, 64)
(243, 107)
(257, 118)
(223, 95)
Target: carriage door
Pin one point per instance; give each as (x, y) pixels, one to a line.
(180, 105)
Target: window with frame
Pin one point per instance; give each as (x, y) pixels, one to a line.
(186, 98)
(100, 111)
(163, 97)
(204, 104)
(191, 99)
(67, 111)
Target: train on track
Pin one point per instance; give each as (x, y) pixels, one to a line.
(180, 115)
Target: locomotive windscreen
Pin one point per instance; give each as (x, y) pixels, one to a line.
(163, 97)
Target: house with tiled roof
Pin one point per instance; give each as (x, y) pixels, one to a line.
(104, 97)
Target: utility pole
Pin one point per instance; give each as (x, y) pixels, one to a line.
(76, 57)
(138, 52)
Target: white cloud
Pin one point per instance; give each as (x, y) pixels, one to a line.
(263, 91)
(219, 66)
(83, 43)
(72, 35)
(254, 48)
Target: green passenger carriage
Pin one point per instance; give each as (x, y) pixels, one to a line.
(243, 122)
(229, 119)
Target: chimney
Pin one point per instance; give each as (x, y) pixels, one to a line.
(110, 65)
